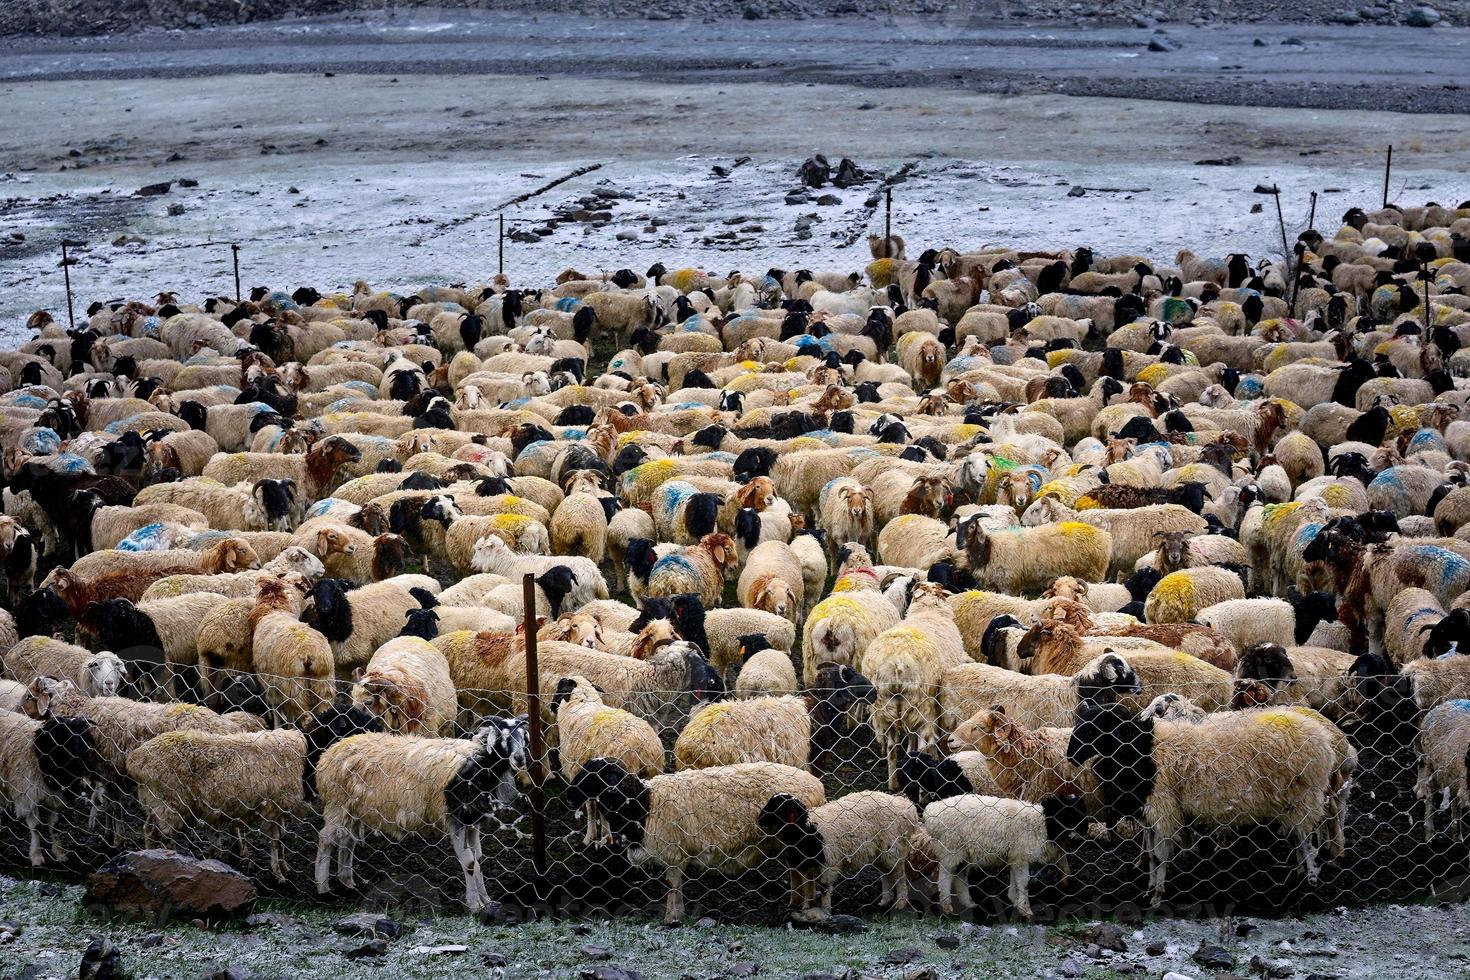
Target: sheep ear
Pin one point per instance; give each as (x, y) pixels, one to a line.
(997, 709)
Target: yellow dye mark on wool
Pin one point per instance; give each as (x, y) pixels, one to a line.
(708, 717)
(1183, 659)
(1057, 358)
(605, 717)
(684, 279)
(1276, 512)
(1404, 416)
(963, 431)
(1154, 373)
(632, 436)
(1076, 529)
(835, 603)
(750, 365)
(1086, 502)
(909, 634)
(1337, 495)
(881, 272)
(1176, 587)
(508, 521)
(1283, 720)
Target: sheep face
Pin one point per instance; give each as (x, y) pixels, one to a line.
(105, 675)
(774, 596)
(1104, 678)
(331, 541)
(622, 798)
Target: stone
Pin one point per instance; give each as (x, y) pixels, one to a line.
(174, 210)
(1162, 44)
(99, 960)
(368, 950)
(743, 968)
(154, 190)
(1070, 968)
(230, 972)
(610, 973)
(160, 883)
(122, 240)
(1345, 17)
(1156, 948)
(1171, 975)
(151, 940)
(367, 924)
(1077, 191)
(902, 955)
(1213, 957)
(1229, 161)
(495, 961)
(596, 952)
(1425, 16)
(1145, 23)
(1107, 935)
(828, 200)
(1244, 929)
(947, 941)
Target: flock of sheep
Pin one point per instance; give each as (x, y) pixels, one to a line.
(1078, 549)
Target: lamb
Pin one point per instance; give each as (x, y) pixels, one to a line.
(846, 508)
(994, 832)
(1027, 765)
(915, 541)
(401, 784)
(1313, 677)
(293, 661)
(44, 767)
(313, 471)
(1019, 560)
(1180, 596)
(709, 817)
(569, 581)
(1134, 531)
(237, 585)
(232, 508)
(764, 672)
(773, 580)
(406, 683)
(127, 575)
(858, 831)
(1171, 774)
(241, 780)
(906, 665)
(588, 729)
(1442, 742)
(95, 675)
(1433, 682)
(580, 525)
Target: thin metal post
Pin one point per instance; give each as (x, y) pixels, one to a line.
(888, 224)
(1312, 218)
(1425, 267)
(500, 259)
(1387, 166)
(1285, 248)
(533, 724)
(71, 319)
(235, 254)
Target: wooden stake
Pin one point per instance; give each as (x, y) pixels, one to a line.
(500, 261)
(71, 319)
(533, 725)
(888, 223)
(235, 256)
(1285, 248)
(1387, 166)
(1312, 218)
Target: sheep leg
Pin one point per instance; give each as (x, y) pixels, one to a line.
(797, 889)
(58, 852)
(467, 865)
(1455, 829)
(829, 885)
(1308, 854)
(1064, 871)
(946, 889)
(324, 843)
(33, 824)
(278, 855)
(1429, 814)
(345, 856)
(674, 906)
(1158, 868)
(1020, 888)
(472, 838)
(591, 833)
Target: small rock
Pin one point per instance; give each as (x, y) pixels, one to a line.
(368, 950)
(1345, 17)
(1294, 42)
(705, 923)
(947, 941)
(367, 924)
(743, 968)
(1070, 968)
(828, 200)
(922, 973)
(1171, 975)
(1425, 16)
(753, 12)
(596, 952)
(1146, 23)
(797, 198)
(99, 960)
(657, 15)
(1229, 161)
(174, 210)
(1213, 957)
(446, 950)
(1162, 44)
(160, 883)
(174, 157)
(1269, 970)
(1258, 43)
(123, 240)
(1077, 191)
(1156, 948)
(151, 940)
(495, 961)
(1244, 929)
(610, 973)
(902, 955)
(293, 190)
(1106, 935)
(230, 972)
(153, 190)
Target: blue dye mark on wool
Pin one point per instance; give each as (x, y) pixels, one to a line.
(345, 405)
(257, 407)
(674, 493)
(120, 426)
(516, 402)
(1306, 534)
(1426, 439)
(322, 506)
(674, 563)
(41, 442)
(1249, 388)
(567, 304)
(371, 390)
(144, 538)
(1458, 704)
(29, 401)
(149, 327)
(71, 463)
(570, 433)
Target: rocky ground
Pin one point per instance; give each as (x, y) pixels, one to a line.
(44, 933)
(93, 17)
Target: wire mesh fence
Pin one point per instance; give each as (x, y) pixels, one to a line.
(694, 802)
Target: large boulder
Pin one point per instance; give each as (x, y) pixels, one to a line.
(157, 884)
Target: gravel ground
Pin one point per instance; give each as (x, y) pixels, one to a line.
(44, 931)
(93, 17)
